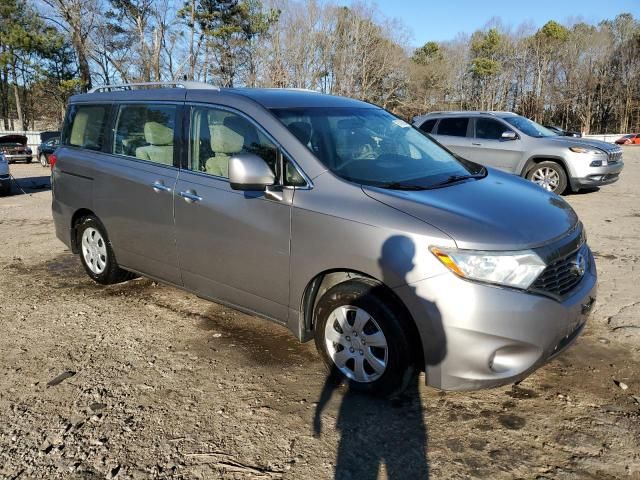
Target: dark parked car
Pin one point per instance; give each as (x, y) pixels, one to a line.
(46, 148)
(14, 148)
(562, 132)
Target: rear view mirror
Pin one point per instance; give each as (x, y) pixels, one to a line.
(508, 135)
(249, 172)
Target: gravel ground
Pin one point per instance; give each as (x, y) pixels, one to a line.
(141, 380)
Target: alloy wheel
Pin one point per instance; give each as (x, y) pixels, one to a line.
(94, 250)
(356, 344)
(547, 178)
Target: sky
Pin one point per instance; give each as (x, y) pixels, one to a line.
(442, 20)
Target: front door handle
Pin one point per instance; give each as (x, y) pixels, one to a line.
(476, 144)
(159, 186)
(190, 196)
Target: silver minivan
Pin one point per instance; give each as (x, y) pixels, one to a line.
(331, 217)
(517, 145)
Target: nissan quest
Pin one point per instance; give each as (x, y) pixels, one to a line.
(331, 217)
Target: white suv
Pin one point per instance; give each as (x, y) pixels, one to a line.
(520, 146)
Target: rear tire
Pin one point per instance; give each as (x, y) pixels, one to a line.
(361, 334)
(550, 176)
(43, 160)
(96, 254)
(29, 160)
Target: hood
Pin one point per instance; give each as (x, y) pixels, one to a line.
(498, 212)
(21, 139)
(584, 142)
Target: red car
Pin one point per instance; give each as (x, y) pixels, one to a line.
(631, 139)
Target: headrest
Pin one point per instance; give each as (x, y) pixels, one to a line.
(302, 131)
(225, 140)
(235, 123)
(158, 134)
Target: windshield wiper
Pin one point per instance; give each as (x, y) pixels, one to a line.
(400, 186)
(458, 178)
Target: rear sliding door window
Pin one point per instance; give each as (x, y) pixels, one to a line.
(145, 132)
(87, 126)
(455, 126)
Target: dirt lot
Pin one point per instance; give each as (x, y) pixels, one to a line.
(157, 383)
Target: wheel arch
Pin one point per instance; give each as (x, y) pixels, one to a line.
(327, 279)
(535, 159)
(77, 216)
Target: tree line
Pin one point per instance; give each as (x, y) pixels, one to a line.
(577, 76)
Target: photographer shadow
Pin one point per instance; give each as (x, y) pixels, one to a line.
(389, 432)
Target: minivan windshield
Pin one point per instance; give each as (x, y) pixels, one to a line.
(529, 127)
(370, 146)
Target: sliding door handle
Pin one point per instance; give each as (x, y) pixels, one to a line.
(159, 186)
(190, 196)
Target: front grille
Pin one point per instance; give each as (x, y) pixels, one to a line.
(615, 157)
(563, 275)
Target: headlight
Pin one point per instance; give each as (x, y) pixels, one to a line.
(514, 269)
(594, 151)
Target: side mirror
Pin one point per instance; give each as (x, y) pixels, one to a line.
(508, 135)
(249, 172)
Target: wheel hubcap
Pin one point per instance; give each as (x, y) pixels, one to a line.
(547, 178)
(356, 344)
(94, 250)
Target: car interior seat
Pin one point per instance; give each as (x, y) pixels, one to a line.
(160, 140)
(225, 141)
(302, 131)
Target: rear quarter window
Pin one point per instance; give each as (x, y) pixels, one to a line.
(86, 126)
(428, 125)
(454, 126)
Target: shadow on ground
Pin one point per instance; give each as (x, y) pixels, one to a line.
(27, 185)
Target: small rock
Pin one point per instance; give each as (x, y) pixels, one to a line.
(622, 385)
(60, 378)
(217, 335)
(97, 406)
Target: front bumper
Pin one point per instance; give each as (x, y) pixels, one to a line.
(598, 176)
(490, 336)
(16, 157)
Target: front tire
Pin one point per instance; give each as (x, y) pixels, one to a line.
(43, 160)
(96, 254)
(361, 334)
(550, 176)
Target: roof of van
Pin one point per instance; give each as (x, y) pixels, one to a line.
(468, 113)
(267, 97)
